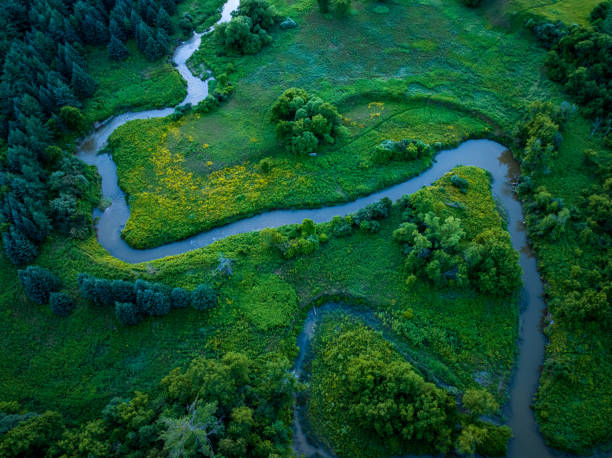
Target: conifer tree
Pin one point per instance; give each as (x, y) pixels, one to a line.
(117, 50)
(83, 84)
(39, 283)
(61, 304)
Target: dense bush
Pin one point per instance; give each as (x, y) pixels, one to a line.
(304, 122)
(204, 297)
(39, 283)
(127, 313)
(180, 298)
(366, 394)
(402, 150)
(33, 436)
(437, 250)
(472, 3)
(539, 134)
(248, 31)
(61, 304)
(580, 61)
(338, 7)
(136, 300)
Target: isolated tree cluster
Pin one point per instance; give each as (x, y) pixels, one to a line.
(250, 27)
(304, 122)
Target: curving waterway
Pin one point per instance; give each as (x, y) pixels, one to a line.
(485, 154)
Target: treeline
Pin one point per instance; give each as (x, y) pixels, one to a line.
(44, 79)
(231, 406)
(134, 301)
(579, 59)
(306, 238)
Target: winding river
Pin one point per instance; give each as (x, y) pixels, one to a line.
(485, 154)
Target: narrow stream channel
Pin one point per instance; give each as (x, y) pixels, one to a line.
(485, 154)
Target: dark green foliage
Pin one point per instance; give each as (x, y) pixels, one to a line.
(549, 33)
(18, 248)
(180, 298)
(83, 84)
(341, 227)
(61, 304)
(460, 183)
(248, 31)
(97, 290)
(116, 49)
(204, 297)
(123, 291)
(304, 122)
(152, 303)
(376, 211)
(601, 17)
(39, 283)
(472, 3)
(580, 61)
(493, 263)
(33, 436)
(495, 441)
(127, 313)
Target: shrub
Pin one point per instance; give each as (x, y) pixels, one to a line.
(402, 150)
(341, 227)
(61, 304)
(127, 313)
(180, 298)
(151, 302)
(204, 297)
(18, 248)
(123, 291)
(39, 283)
(460, 183)
(95, 290)
(369, 226)
(495, 441)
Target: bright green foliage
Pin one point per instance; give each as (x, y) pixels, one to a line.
(438, 250)
(248, 31)
(61, 304)
(73, 118)
(479, 402)
(267, 302)
(365, 394)
(539, 135)
(304, 122)
(39, 283)
(33, 436)
(471, 436)
(189, 435)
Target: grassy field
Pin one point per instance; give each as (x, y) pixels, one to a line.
(205, 188)
(431, 80)
(75, 365)
(132, 84)
(568, 11)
